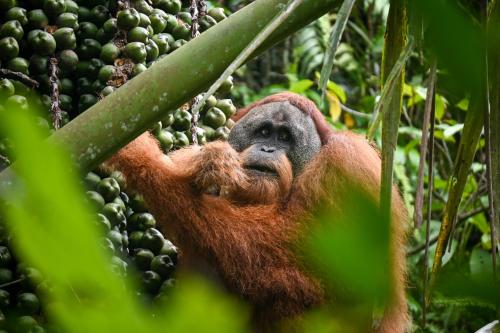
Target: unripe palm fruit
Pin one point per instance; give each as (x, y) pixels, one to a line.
(65, 38)
(42, 42)
(17, 13)
(109, 53)
(217, 13)
(12, 29)
(136, 51)
(214, 118)
(9, 48)
(128, 18)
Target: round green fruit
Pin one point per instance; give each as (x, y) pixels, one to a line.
(226, 106)
(89, 48)
(214, 118)
(54, 8)
(114, 213)
(181, 140)
(17, 13)
(138, 34)
(7, 4)
(110, 26)
(16, 102)
(135, 239)
(153, 240)
(222, 133)
(206, 22)
(163, 265)
(141, 221)
(182, 120)
(103, 223)
(138, 69)
(37, 19)
(68, 61)
(170, 250)
(42, 42)
(109, 53)
(67, 20)
(151, 281)
(182, 31)
(109, 188)
(96, 199)
(86, 30)
(166, 140)
(86, 101)
(226, 86)
(106, 73)
(142, 258)
(217, 13)
(136, 51)
(12, 29)
(65, 38)
(9, 48)
(158, 22)
(5, 275)
(5, 298)
(152, 51)
(128, 18)
(108, 90)
(28, 303)
(161, 41)
(19, 64)
(72, 7)
(99, 14)
(6, 90)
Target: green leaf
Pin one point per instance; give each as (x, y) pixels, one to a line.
(301, 86)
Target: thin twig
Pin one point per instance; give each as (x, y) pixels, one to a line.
(337, 31)
(17, 76)
(432, 122)
(249, 50)
(419, 196)
(195, 7)
(434, 239)
(392, 79)
(354, 112)
(12, 283)
(55, 107)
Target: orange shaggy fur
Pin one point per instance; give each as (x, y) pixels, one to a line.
(247, 233)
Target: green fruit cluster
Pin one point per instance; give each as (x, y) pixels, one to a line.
(137, 250)
(130, 234)
(99, 44)
(21, 290)
(175, 130)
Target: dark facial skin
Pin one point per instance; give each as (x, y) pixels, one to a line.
(274, 129)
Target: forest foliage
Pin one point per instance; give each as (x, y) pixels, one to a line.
(49, 216)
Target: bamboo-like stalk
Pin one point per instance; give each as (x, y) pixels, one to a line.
(466, 150)
(120, 117)
(391, 84)
(429, 105)
(395, 42)
(494, 81)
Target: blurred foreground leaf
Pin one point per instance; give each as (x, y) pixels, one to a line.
(53, 231)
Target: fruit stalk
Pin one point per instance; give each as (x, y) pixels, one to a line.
(25, 79)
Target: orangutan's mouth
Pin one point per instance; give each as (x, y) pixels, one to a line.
(261, 170)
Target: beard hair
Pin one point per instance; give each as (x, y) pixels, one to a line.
(266, 189)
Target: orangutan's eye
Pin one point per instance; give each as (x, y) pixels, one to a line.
(265, 132)
(284, 136)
